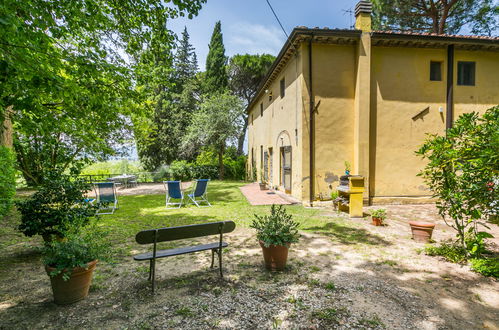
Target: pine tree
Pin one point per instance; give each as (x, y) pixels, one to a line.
(174, 106)
(216, 80)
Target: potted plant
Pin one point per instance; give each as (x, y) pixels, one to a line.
(275, 233)
(347, 168)
(378, 216)
(59, 205)
(70, 264)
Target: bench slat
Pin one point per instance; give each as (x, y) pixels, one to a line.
(183, 232)
(179, 251)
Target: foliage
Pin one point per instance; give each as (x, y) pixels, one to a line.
(379, 213)
(174, 98)
(479, 262)
(450, 251)
(245, 75)
(486, 266)
(215, 79)
(347, 167)
(113, 167)
(278, 228)
(77, 250)
(235, 166)
(462, 171)
(7, 180)
(436, 16)
(215, 125)
(334, 194)
(57, 207)
(67, 71)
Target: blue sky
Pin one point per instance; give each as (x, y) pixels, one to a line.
(248, 26)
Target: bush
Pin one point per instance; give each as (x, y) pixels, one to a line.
(461, 172)
(451, 252)
(278, 228)
(379, 213)
(486, 266)
(58, 207)
(7, 179)
(76, 251)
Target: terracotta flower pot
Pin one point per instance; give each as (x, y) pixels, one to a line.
(263, 186)
(421, 231)
(275, 256)
(74, 289)
(377, 221)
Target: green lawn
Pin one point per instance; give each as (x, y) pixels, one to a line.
(141, 212)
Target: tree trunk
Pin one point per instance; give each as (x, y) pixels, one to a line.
(240, 139)
(6, 129)
(221, 168)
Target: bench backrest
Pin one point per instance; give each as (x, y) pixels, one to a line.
(190, 231)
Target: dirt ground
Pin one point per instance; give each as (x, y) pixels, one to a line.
(338, 277)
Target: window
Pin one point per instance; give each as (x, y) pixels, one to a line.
(261, 109)
(435, 71)
(466, 73)
(283, 88)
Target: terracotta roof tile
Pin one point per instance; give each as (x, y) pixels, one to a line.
(427, 34)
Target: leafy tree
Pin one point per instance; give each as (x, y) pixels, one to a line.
(463, 173)
(437, 16)
(67, 58)
(246, 72)
(216, 124)
(7, 179)
(215, 79)
(175, 99)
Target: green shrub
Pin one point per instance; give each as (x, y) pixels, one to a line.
(57, 207)
(451, 252)
(77, 250)
(278, 228)
(486, 266)
(379, 213)
(7, 179)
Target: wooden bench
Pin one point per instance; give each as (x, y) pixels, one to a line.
(154, 236)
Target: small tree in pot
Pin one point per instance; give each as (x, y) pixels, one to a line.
(58, 206)
(70, 263)
(275, 232)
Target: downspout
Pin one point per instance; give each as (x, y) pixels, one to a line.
(312, 121)
(450, 83)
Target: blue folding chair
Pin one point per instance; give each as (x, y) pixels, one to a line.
(200, 193)
(107, 198)
(173, 191)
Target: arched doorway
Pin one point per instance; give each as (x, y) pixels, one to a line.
(285, 162)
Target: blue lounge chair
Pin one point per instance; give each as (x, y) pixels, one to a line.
(199, 193)
(173, 191)
(107, 198)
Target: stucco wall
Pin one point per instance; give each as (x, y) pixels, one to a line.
(333, 86)
(281, 119)
(401, 89)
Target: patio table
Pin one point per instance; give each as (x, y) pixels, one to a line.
(123, 179)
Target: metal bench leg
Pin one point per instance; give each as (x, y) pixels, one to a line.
(153, 274)
(212, 257)
(220, 262)
(150, 270)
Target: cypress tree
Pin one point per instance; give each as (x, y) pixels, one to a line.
(216, 80)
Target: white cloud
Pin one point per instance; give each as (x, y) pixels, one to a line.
(244, 37)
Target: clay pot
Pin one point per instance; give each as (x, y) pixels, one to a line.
(74, 289)
(263, 186)
(377, 221)
(421, 231)
(275, 256)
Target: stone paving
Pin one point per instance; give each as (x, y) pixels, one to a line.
(255, 196)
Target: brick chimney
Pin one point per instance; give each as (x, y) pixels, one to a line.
(363, 11)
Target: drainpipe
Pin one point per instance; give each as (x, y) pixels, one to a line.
(312, 121)
(450, 83)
